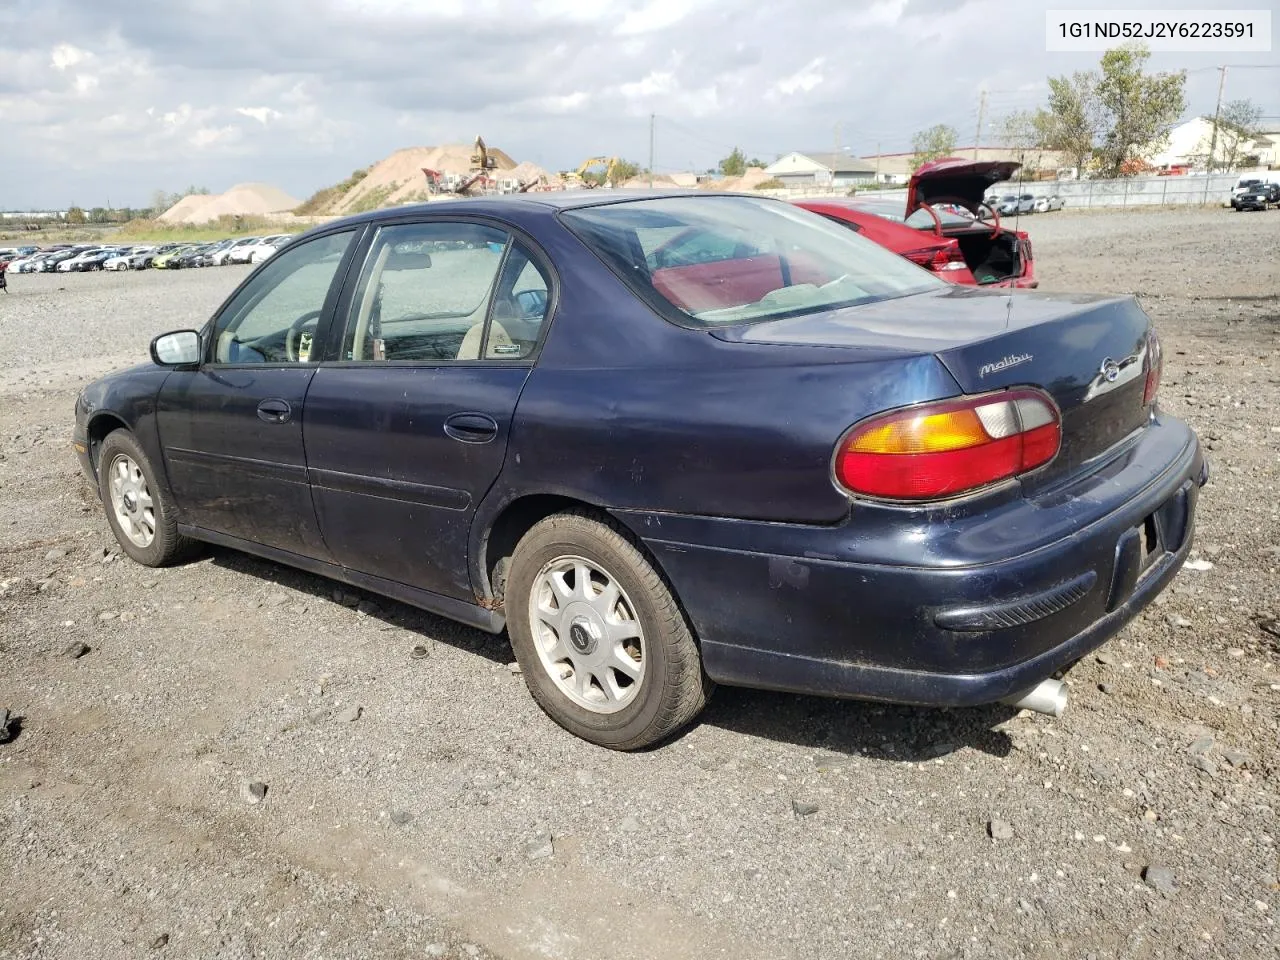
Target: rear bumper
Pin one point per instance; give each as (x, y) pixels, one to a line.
(974, 621)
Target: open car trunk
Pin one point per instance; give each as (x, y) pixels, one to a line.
(990, 259)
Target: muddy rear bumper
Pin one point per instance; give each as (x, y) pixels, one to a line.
(974, 621)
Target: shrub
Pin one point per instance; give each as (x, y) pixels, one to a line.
(326, 199)
(375, 199)
(773, 183)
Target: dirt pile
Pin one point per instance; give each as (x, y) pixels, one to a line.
(399, 177)
(753, 177)
(242, 200)
(643, 182)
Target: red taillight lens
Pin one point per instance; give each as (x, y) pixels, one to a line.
(938, 259)
(1155, 366)
(944, 449)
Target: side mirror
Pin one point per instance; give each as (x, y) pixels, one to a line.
(532, 303)
(178, 349)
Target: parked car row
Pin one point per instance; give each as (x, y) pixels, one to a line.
(1017, 204)
(83, 258)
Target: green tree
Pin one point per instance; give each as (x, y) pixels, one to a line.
(756, 162)
(162, 200)
(1140, 108)
(735, 164)
(623, 171)
(938, 141)
(75, 215)
(1073, 118)
(1237, 126)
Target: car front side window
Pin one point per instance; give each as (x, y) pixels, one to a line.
(274, 318)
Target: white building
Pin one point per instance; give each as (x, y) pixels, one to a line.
(1189, 145)
(1266, 146)
(820, 169)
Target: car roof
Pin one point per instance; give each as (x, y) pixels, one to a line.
(515, 203)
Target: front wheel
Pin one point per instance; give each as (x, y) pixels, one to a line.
(603, 645)
(139, 512)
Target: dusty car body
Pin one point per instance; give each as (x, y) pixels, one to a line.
(772, 455)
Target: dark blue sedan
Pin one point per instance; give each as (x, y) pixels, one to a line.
(667, 441)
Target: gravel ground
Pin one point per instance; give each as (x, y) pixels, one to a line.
(419, 805)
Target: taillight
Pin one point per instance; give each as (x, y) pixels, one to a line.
(938, 259)
(1155, 366)
(940, 450)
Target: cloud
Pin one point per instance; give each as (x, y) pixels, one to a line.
(65, 55)
(655, 83)
(261, 114)
(158, 94)
(803, 80)
(654, 15)
(210, 136)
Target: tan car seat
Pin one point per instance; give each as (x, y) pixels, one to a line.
(502, 344)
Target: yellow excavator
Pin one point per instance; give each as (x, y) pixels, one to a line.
(610, 168)
(481, 164)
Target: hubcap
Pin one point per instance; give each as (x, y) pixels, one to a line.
(586, 633)
(131, 501)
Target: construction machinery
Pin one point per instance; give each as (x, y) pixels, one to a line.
(477, 177)
(610, 168)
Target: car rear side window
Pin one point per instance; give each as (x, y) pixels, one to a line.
(712, 261)
(445, 291)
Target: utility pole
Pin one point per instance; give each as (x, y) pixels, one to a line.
(1213, 137)
(877, 161)
(982, 115)
(835, 157)
(651, 119)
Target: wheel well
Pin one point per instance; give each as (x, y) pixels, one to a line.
(99, 427)
(519, 517)
(514, 522)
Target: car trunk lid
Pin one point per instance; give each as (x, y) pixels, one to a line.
(1088, 352)
(956, 180)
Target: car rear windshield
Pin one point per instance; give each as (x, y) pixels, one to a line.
(713, 261)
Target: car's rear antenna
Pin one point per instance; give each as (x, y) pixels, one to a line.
(1017, 205)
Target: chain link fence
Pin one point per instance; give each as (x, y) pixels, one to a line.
(1126, 192)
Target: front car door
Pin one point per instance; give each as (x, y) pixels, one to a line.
(232, 429)
(407, 431)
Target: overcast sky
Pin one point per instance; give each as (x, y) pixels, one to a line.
(109, 101)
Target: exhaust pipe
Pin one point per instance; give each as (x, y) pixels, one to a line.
(1047, 697)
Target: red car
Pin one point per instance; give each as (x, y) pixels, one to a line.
(945, 226)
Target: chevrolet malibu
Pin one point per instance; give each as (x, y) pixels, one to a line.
(667, 441)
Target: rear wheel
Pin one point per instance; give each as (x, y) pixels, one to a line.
(602, 643)
(140, 514)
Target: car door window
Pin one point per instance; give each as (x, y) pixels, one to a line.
(445, 291)
(274, 318)
(519, 310)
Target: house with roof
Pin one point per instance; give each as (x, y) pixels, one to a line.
(820, 170)
(1266, 147)
(894, 168)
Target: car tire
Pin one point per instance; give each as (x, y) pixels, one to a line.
(125, 474)
(621, 608)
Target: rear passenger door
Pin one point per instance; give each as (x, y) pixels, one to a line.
(406, 432)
